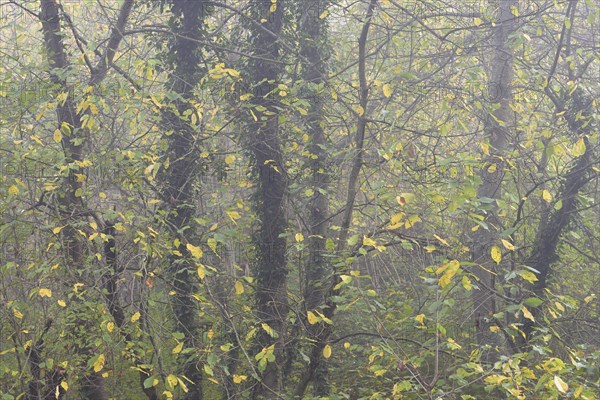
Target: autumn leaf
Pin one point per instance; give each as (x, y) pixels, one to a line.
(560, 384)
(45, 293)
(579, 148)
(311, 317)
(496, 254)
(57, 136)
(369, 242)
(547, 196)
(195, 251)
(527, 314)
(239, 288)
(387, 90)
(177, 349)
(99, 363)
(299, 237)
(327, 351)
(136, 316)
(508, 245)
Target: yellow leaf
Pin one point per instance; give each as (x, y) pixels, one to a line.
(560, 384)
(57, 136)
(405, 198)
(528, 276)
(387, 90)
(527, 314)
(547, 196)
(136, 316)
(64, 385)
(449, 270)
(311, 317)
(195, 251)
(233, 215)
(477, 21)
(579, 148)
(360, 110)
(420, 319)
(99, 364)
(201, 271)
(496, 254)
(369, 242)
(110, 326)
(441, 240)
(18, 314)
(411, 221)
(57, 230)
(177, 349)
(508, 245)
(346, 345)
(324, 14)
(466, 282)
(45, 292)
(13, 190)
(485, 148)
(210, 334)
(327, 351)
(102, 195)
(495, 328)
(396, 218)
(172, 380)
(299, 237)
(230, 159)
(239, 287)
(237, 379)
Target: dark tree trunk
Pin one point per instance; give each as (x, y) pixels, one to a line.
(187, 25)
(313, 42)
(270, 264)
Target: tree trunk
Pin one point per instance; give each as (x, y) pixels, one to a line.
(313, 44)
(187, 25)
(270, 264)
(492, 175)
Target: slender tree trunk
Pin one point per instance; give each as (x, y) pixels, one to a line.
(325, 330)
(73, 136)
(492, 173)
(187, 25)
(270, 264)
(579, 117)
(313, 44)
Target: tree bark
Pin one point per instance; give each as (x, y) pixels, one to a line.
(270, 264)
(324, 330)
(492, 175)
(313, 44)
(187, 25)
